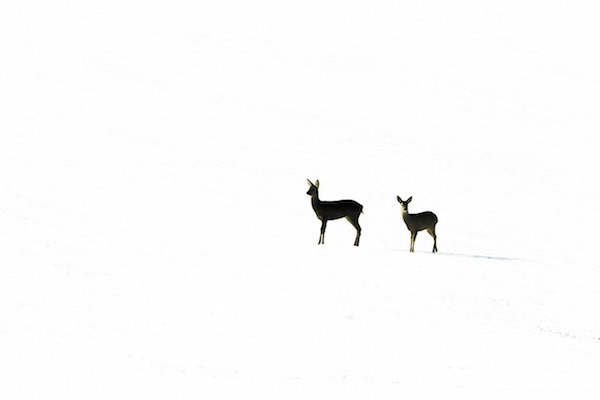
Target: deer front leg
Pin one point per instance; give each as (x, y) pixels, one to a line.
(322, 237)
(413, 237)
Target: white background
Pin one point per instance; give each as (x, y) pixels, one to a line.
(156, 240)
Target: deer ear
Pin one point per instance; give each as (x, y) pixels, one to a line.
(399, 199)
(409, 199)
(317, 183)
(309, 183)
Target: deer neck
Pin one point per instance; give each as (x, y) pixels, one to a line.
(315, 200)
(316, 203)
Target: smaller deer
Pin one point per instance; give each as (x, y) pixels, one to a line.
(328, 210)
(418, 222)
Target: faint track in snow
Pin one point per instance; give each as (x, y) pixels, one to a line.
(482, 256)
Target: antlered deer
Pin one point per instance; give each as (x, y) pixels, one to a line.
(418, 222)
(328, 210)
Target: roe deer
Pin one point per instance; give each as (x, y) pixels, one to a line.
(418, 222)
(327, 210)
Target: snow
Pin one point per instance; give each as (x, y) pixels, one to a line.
(156, 240)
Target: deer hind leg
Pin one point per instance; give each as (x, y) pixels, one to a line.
(354, 221)
(322, 236)
(431, 231)
(413, 237)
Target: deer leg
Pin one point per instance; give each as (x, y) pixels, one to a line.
(322, 237)
(434, 236)
(413, 237)
(354, 222)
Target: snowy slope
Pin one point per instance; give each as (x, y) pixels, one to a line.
(156, 240)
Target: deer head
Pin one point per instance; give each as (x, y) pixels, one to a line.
(313, 188)
(404, 204)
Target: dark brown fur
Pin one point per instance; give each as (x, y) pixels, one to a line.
(328, 210)
(418, 222)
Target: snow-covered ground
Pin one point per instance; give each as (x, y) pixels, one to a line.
(156, 241)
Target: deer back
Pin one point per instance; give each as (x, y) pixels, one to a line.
(420, 221)
(336, 209)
